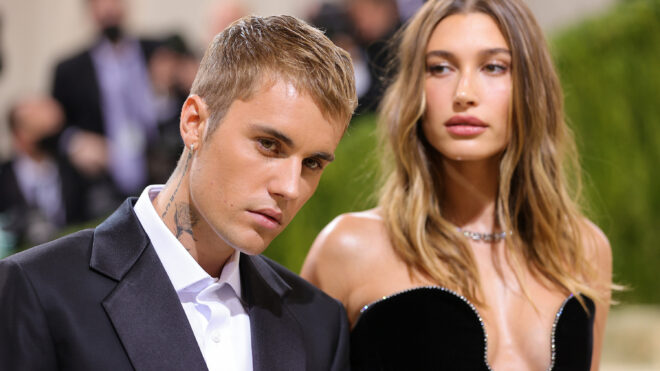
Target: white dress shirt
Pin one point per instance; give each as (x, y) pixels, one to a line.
(213, 305)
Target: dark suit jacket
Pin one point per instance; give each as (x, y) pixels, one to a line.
(15, 207)
(101, 300)
(76, 87)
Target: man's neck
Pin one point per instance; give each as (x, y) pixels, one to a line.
(174, 206)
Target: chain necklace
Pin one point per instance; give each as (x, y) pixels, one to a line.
(486, 237)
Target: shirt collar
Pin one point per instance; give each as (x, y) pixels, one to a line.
(184, 272)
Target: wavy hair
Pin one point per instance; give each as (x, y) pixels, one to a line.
(539, 177)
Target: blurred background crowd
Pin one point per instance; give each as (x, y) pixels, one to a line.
(90, 93)
(106, 122)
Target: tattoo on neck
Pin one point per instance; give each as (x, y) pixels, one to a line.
(185, 169)
(184, 221)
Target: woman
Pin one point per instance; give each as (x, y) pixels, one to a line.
(477, 256)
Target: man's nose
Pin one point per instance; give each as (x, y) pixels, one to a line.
(285, 181)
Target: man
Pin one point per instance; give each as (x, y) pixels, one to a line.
(174, 281)
(38, 189)
(110, 107)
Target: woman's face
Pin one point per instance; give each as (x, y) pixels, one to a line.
(468, 88)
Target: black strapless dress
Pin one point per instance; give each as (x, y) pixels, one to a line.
(433, 328)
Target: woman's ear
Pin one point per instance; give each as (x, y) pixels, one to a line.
(194, 119)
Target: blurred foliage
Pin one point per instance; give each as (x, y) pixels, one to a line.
(610, 71)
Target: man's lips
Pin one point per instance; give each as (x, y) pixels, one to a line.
(269, 214)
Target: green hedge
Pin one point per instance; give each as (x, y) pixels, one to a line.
(610, 70)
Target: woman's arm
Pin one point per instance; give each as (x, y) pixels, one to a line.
(600, 253)
(339, 260)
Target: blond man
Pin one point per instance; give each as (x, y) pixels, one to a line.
(174, 280)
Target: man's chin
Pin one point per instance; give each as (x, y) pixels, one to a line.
(255, 247)
(251, 250)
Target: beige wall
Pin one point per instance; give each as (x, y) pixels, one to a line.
(36, 33)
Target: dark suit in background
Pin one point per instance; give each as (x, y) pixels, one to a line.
(19, 214)
(77, 89)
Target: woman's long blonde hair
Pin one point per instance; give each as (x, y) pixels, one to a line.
(537, 198)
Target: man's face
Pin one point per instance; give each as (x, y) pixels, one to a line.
(251, 175)
(107, 13)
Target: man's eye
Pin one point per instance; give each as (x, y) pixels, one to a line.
(312, 163)
(267, 144)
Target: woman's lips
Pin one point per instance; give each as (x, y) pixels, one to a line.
(462, 130)
(465, 126)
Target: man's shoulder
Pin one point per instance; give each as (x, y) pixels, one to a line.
(61, 251)
(74, 61)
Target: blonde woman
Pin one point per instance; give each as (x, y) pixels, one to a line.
(478, 256)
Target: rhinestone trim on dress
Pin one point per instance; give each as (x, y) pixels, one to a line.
(553, 354)
(553, 350)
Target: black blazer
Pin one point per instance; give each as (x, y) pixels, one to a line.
(101, 300)
(76, 87)
(15, 207)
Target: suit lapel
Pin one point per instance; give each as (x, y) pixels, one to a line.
(277, 340)
(144, 308)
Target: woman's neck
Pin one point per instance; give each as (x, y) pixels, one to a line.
(469, 194)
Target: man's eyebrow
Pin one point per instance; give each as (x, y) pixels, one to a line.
(276, 133)
(289, 142)
(324, 156)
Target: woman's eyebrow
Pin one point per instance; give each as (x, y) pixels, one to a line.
(449, 55)
(489, 52)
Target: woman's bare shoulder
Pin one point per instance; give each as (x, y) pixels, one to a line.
(355, 229)
(343, 248)
(597, 246)
(597, 250)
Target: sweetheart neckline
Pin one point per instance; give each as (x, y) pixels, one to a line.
(476, 312)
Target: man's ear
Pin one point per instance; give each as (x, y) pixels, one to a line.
(194, 119)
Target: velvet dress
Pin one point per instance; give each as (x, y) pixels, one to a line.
(434, 328)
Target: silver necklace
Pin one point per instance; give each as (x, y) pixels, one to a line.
(486, 237)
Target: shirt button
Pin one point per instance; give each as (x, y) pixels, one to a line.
(215, 336)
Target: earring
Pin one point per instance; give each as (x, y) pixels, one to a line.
(192, 147)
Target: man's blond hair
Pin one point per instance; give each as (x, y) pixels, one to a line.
(254, 51)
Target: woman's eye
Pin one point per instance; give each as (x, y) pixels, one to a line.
(495, 68)
(438, 69)
(312, 163)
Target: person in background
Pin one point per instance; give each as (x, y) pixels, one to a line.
(478, 257)
(110, 108)
(333, 19)
(174, 280)
(172, 69)
(39, 190)
(374, 23)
